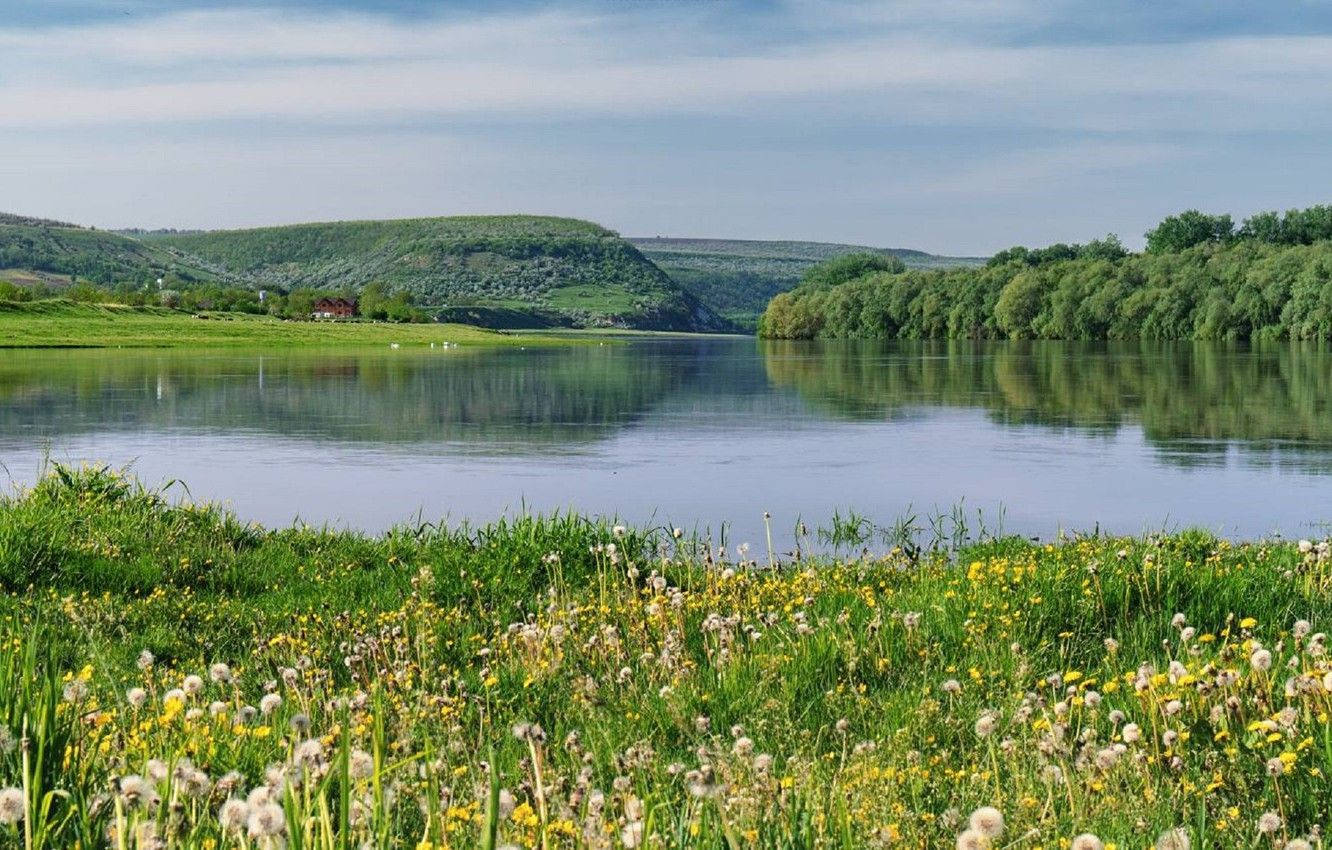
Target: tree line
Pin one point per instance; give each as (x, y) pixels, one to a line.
(1200, 278)
(375, 301)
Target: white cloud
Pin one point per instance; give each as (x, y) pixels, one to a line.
(248, 117)
(201, 66)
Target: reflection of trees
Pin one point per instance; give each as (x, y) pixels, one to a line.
(1194, 399)
(1195, 402)
(513, 397)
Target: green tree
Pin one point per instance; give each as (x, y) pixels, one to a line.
(1020, 302)
(1191, 227)
(848, 267)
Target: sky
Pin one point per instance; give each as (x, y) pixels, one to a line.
(954, 126)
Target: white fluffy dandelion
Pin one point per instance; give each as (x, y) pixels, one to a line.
(1087, 841)
(972, 839)
(13, 806)
(1269, 822)
(1261, 659)
(985, 725)
(988, 821)
(360, 764)
(1173, 839)
(233, 815)
(266, 821)
(632, 834)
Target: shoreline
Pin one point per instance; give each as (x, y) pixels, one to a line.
(67, 325)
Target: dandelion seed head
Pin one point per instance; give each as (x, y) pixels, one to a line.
(233, 815)
(1173, 839)
(13, 805)
(988, 821)
(632, 834)
(361, 764)
(985, 724)
(76, 690)
(265, 821)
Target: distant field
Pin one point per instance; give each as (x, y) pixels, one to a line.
(64, 324)
(738, 277)
(26, 277)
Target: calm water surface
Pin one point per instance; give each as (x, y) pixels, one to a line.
(698, 432)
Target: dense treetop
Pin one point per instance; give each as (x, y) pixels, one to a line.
(1200, 278)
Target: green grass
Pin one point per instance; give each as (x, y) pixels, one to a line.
(609, 299)
(64, 324)
(684, 697)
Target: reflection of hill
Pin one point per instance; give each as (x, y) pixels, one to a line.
(506, 397)
(1197, 401)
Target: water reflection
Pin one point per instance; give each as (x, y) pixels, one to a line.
(1196, 402)
(702, 431)
(509, 400)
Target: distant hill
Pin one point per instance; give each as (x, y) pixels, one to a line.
(738, 277)
(35, 250)
(515, 270)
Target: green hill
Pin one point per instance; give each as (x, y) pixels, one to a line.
(503, 270)
(39, 251)
(738, 277)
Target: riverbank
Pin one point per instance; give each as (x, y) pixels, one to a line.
(64, 324)
(570, 683)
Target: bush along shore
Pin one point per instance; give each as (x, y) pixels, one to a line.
(1199, 279)
(177, 678)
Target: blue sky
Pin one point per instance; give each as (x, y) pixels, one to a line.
(958, 126)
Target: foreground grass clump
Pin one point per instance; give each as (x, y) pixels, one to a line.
(64, 324)
(176, 678)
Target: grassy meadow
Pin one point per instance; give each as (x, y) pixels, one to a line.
(178, 678)
(63, 324)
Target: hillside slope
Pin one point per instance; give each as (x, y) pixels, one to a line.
(738, 277)
(50, 252)
(506, 270)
